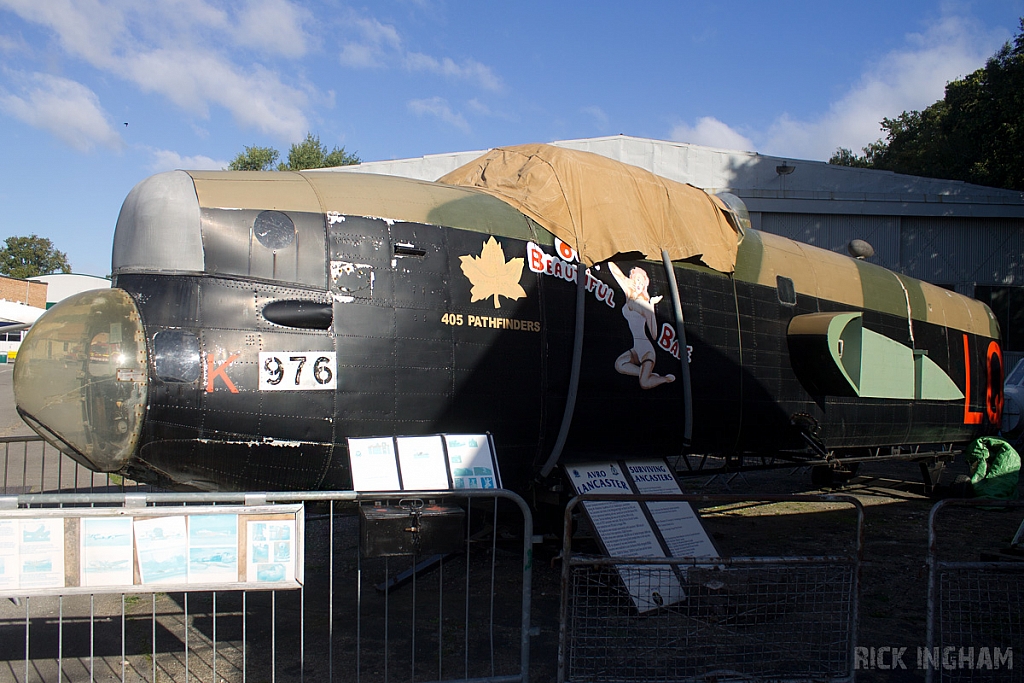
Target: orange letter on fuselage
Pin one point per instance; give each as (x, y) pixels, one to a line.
(213, 373)
(971, 417)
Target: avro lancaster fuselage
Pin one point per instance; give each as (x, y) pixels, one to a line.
(258, 320)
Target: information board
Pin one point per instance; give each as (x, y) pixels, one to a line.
(107, 551)
(679, 525)
(77, 550)
(423, 463)
(471, 461)
(31, 553)
(623, 530)
(373, 463)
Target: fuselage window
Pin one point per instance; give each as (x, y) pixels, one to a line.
(274, 230)
(176, 356)
(787, 292)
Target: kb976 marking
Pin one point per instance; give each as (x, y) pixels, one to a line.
(291, 371)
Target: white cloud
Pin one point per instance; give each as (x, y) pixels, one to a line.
(600, 118)
(166, 160)
(275, 25)
(378, 33)
(193, 81)
(711, 132)
(176, 48)
(481, 109)
(912, 77)
(439, 108)
(360, 56)
(11, 45)
(379, 42)
(90, 29)
(381, 46)
(65, 108)
(469, 70)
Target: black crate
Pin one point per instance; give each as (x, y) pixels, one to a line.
(388, 530)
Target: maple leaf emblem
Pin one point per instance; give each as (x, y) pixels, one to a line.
(491, 275)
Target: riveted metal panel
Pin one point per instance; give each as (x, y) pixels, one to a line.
(158, 227)
(236, 243)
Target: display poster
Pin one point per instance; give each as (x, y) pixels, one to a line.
(624, 531)
(41, 553)
(63, 551)
(471, 461)
(212, 548)
(162, 546)
(374, 467)
(271, 546)
(106, 552)
(422, 461)
(678, 523)
(8, 554)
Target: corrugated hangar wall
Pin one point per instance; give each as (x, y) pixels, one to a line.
(948, 251)
(963, 251)
(979, 257)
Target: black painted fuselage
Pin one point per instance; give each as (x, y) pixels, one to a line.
(260, 365)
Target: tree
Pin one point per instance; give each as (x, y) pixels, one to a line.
(845, 157)
(309, 153)
(255, 158)
(975, 133)
(24, 257)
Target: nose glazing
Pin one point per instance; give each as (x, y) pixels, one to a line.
(81, 378)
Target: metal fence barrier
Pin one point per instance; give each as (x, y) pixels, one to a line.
(777, 617)
(464, 615)
(975, 593)
(30, 465)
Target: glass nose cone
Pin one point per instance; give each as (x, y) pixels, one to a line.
(81, 378)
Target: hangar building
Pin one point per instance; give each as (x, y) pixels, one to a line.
(964, 237)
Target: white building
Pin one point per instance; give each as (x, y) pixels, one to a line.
(59, 286)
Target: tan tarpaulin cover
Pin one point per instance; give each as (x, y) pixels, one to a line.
(603, 207)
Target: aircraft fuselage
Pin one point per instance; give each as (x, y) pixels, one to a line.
(273, 332)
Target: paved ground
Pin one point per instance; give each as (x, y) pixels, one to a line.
(893, 587)
(10, 423)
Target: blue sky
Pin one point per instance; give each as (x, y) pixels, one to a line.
(196, 80)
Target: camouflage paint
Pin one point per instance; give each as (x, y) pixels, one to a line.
(417, 354)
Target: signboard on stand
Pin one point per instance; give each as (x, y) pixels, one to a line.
(625, 529)
(423, 463)
(684, 535)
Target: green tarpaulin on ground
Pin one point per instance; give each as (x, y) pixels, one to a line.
(995, 466)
